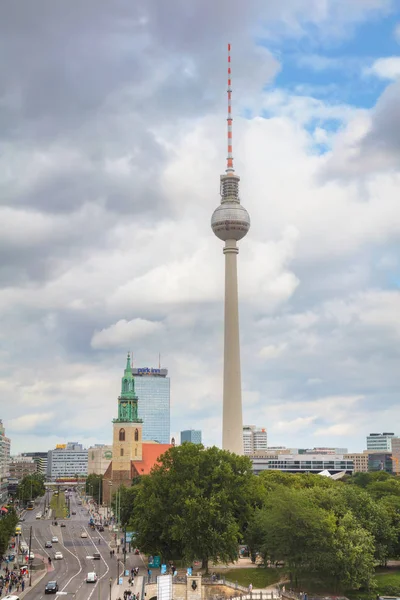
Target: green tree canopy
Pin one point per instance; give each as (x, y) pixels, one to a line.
(195, 504)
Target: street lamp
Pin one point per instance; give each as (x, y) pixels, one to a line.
(110, 580)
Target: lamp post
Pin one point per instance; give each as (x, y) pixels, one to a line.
(29, 557)
(110, 581)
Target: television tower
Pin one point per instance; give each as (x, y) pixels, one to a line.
(230, 222)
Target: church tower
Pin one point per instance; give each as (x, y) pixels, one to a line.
(127, 430)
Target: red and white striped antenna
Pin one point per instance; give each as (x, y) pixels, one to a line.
(229, 160)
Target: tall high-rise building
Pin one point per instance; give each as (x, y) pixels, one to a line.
(4, 462)
(230, 222)
(152, 387)
(380, 441)
(191, 435)
(254, 439)
(99, 458)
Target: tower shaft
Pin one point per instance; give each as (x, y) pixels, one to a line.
(232, 418)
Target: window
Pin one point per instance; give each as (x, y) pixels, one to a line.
(136, 435)
(122, 435)
(135, 451)
(121, 452)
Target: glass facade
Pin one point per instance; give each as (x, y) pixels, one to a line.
(152, 387)
(191, 435)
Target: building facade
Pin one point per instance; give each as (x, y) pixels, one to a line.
(380, 461)
(254, 439)
(380, 441)
(191, 435)
(396, 454)
(302, 463)
(40, 460)
(99, 458)
(20, 467)
(65, 462)
(5, 445)
(152, 387)
(360, 460)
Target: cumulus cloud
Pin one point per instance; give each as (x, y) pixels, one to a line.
(109, 173)
(385, 68)
(123, 332)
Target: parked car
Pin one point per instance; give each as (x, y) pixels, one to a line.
(84, 534)
(58, 556)
(48, 545)
(62, 525)
(51, 587)
(91, 578)
(54, 539)
(73, 512)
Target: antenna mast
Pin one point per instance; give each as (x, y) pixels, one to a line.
(229, 165)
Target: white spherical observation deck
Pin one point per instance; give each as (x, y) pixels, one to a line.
(230, 221)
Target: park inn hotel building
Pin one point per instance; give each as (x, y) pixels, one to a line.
(152, 387)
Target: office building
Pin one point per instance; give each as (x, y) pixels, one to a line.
(360, 460)
(380, 441)
(230, 222)
(99, 458)
(21, 466)
(254, 439)
(152, 387)
(65, 462)
(40, 460)
(396, 454)
(302, 463)
(191, 435)
(5, 444)
(380, 461)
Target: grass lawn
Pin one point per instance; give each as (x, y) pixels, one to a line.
(260, 577)
(388, 582)
(58, 506)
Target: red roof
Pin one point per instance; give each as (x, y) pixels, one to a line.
(150, 455)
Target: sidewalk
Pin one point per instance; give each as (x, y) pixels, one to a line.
(117, 591)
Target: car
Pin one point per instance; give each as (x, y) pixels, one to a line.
(100, 528)
(54, 539)
(21, 519)
(48, 545)
(58, 556)
(11, 597)
(38, 516)
(73, 512)
(51, 587)
(84, 534)
(31, 556)
(91, 578)
(96, 556)
(62, 525)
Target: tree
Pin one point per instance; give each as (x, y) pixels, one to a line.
(94, 487)
(292, 529)
(351, 560)
(8, 522)
(194, 504)
(31, 487)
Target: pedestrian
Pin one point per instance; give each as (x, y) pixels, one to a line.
(23, 585)
(250, 588)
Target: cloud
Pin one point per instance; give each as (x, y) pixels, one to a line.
(109, 174)
(385, 68)
(122, 333)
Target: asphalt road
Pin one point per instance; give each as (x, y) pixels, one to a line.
(71, 571)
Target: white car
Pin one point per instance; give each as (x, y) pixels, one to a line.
(31, 556)
(91, 578)
(58, 556)
(54, 539)
(38, 516)
(83, 534)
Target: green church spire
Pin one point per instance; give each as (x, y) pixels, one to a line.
(127, 401)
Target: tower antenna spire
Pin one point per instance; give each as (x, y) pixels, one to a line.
(229, 160)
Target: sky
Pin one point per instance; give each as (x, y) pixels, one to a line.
(113, 138)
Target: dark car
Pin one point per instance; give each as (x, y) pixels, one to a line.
(73, 512)
(100, 528)
(51, 587)
(96, 556)
(62, 525)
